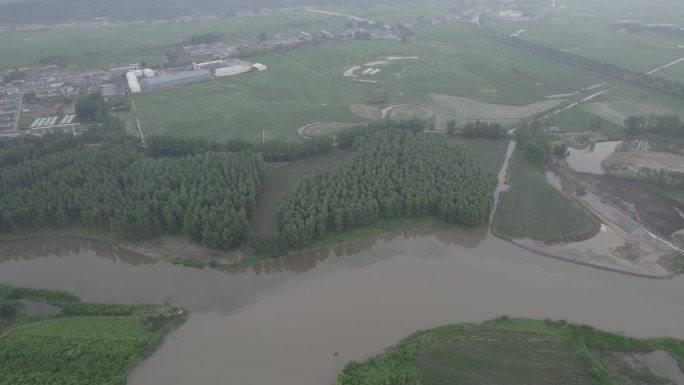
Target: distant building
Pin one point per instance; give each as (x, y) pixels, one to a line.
(232, 70)
(175, 78)
(207, 65)
(259, 67)
(120, 71)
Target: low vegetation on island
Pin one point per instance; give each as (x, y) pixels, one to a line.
(51, 337)
(512, 350)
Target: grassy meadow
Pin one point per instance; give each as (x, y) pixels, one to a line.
(462, 357)
(111, 46)
(533, 208)
(307, 85)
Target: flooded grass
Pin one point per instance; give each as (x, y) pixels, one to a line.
(533, 208)
(281, 179)
(487, 152)
(382, 226)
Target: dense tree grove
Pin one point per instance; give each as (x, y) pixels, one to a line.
(534, 142)
(392, 173)
(208, 196)
(59, 181)
(484, 130)
(667, 125)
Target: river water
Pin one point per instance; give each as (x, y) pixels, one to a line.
(300, 319)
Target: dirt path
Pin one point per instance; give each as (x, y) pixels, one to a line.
(665, 66)
(385, 111)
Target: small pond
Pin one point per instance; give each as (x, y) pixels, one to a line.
(589, 159)
(38, 308)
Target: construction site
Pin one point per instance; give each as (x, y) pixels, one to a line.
(642, 231)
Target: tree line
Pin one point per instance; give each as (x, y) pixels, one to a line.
(536, 144)
(662, 177)
(275, 151)
(271, 150)
(666, 125)
(481, 129)
(392, 173)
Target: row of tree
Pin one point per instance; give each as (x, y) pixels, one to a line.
(667, 125)
(271, 150)
(392, 173)
(662, 177)
(481, 129)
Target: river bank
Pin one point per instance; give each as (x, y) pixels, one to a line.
(353, 299)
(182, 251)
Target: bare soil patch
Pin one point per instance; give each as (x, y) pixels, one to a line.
(647, 205)
(634, 160)
(171, 247)
(581, 140)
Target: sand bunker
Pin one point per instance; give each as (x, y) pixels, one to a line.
(350, 71)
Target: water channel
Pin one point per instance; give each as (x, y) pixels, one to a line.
(284, 321)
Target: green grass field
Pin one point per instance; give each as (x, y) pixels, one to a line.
(592, 37)
(495, 358)
(680, 262)
(111, 46)
(307, 85)
(627, 100)
(535, 209)
(487, 152)
(579, 120)
(505, 351)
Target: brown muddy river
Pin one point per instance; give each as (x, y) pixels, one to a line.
(283, 322)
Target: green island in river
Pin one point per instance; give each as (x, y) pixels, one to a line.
(521, 351)
(52, 337)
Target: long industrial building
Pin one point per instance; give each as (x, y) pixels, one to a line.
(175, 78)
